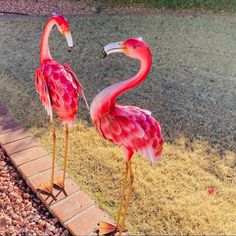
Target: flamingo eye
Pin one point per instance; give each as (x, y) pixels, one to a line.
(134, 47)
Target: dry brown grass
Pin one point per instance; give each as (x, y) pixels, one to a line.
(170, 197)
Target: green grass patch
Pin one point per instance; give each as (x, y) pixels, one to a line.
(209, 5)
(190, 90)
(212, 5)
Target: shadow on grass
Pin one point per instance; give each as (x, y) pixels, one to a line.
(190, 89)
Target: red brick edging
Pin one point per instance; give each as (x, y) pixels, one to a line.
(73, 207)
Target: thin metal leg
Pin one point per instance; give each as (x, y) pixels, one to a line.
(107, 228)
(65, 156)
(48, 186)
(53, 151)
(128, 198)
(123, 188)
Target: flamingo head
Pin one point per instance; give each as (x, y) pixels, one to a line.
(63, 26)
(132, 47)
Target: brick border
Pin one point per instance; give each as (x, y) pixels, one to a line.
(74, 208)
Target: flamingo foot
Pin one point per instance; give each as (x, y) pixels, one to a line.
(104, 228)
(58, 182)
(45, 187)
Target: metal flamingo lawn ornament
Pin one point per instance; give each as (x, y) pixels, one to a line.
(58, 89)
(131, 128)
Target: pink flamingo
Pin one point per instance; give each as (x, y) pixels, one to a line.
(131, 128)
(58, 89)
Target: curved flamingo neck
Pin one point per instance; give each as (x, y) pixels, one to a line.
(106, 99)
(121, 87)
(44, 48)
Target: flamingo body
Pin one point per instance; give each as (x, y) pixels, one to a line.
(58, 89)
(130, 127)
(134, 130)
(56, 84)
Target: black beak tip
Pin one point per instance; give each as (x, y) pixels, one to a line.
(104, 54)
(70, 49)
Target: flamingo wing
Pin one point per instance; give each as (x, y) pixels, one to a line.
(76, 83)
(42, 90)
(133, 129)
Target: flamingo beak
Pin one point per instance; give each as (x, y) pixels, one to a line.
(112, 48)
(69, 39)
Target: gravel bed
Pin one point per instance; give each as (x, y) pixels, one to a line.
(70, 7)
(21, 212)
(88, 8)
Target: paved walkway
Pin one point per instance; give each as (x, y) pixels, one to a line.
(73, 207)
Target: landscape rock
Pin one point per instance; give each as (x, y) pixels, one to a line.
(21, 212)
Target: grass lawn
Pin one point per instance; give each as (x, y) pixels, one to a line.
(213, 5)
(209, 5)
(191, 91)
